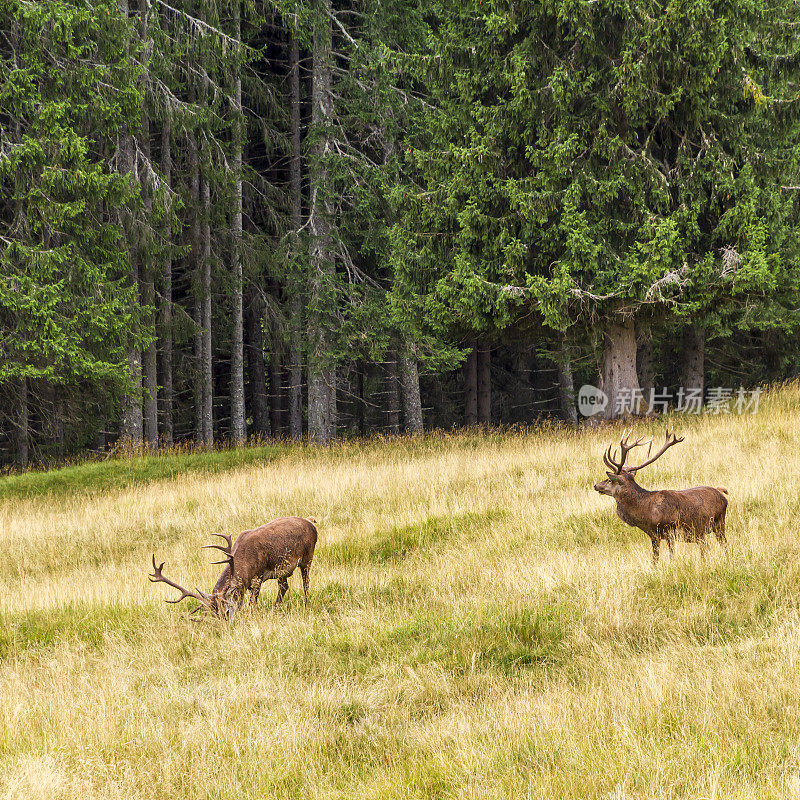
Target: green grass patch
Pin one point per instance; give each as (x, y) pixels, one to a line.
(493, 638)
(399, 542)
(88, 625)
(115, 474)
(709, 607)
(507, 639)
(600, 527)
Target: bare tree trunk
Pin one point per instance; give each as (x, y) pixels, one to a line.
(566, 387)
(132, 420)
(333, 415)
(238, 427)
(150, 363)
(208, 367)
(54, 402)
(58, 427)
(392, 394)
(645, 368)
(256, 365)
(150, 359)
(295, 287)
(167, 427)
(694, 348)
(197, 377)
(275, 382)
(22, 425)
(618, 377)
(409, 384)
(471, 388)
(361, 408)
(484, 385)
(197, 310)
(321, 372)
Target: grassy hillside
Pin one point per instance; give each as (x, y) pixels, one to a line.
(481, 626)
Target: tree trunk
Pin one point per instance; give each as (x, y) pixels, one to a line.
(257, 366)
(332, 405)
(694, 346)
(295, 409)
(275, 382)
(392, 394)
(566, 387)
(167, 428)
(207, 364)
(361, 406)
(645, 368)
(197, 368)
(132, 420)
(150, 363)
(57, 427)
(150, 356)
(321, 372)
(22, 425)
(618, 377)
(484, 370)
(471, 388)
(197, 310)
(238, 427)
(409, 385)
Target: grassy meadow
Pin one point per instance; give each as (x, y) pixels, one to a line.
(481, 625)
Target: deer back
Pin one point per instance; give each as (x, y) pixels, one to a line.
(273, 548)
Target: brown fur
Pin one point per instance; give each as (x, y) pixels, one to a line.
(666, 513)
(272, 551)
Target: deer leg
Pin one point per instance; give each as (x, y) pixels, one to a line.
(304, 570)
(718, 526)
(670, 537)
(255, 588)
(703, 542)
(283, 587)
(656, 542)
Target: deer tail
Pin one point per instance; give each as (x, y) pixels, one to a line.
(311, 520)
(722, 489)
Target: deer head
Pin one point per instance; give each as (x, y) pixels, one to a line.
(621, 476)
(217, 603)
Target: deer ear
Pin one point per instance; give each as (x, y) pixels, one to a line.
(613, 477)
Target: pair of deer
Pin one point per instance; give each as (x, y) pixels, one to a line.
(276, 549)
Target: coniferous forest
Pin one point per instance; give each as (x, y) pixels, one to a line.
(226, 220)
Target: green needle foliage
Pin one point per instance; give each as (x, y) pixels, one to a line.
(66, 312)
(588, 157)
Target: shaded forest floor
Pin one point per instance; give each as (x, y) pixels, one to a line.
(481, 625)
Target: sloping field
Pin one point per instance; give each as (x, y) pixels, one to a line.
(481, 625)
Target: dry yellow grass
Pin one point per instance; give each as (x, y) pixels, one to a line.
(481, 626)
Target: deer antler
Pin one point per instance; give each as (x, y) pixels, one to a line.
(667, 444)
(157, 577)
(226, 550)
(625, 446)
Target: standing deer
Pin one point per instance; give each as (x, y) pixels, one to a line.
(664, 513)
(274, 550)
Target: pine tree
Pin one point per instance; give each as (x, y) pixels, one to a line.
(68, 312)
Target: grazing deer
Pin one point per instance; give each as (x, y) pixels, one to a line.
(664, 513)
(274, 550)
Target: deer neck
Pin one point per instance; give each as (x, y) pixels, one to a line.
(633, 503)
